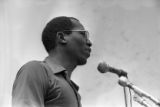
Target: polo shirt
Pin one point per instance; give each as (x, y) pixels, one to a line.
(44, 84)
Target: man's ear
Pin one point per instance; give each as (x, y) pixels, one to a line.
(61, 38)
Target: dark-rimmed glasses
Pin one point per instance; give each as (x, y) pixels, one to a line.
(85, 33)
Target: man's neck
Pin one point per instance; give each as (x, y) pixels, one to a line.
(63, 61)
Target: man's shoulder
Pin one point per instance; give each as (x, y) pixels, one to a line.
(33, 66)
(33, 63)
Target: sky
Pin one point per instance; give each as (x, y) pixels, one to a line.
(125, 34)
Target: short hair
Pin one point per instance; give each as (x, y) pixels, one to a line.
(57, 24)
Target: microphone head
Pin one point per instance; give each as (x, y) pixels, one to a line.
(103, 67)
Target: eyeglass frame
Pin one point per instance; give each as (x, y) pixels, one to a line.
(86, 32)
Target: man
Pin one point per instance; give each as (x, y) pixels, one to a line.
(47, 83)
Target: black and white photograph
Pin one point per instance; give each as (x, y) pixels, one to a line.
(79, 53)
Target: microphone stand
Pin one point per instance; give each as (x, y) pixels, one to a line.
(141, 101)
(125, 83)
(125, 96)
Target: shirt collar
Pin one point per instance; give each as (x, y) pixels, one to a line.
(54, 67)
(57, 69)
(75, 85)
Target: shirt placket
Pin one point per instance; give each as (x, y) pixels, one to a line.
(74, 89)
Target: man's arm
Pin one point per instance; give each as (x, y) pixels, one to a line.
(30, 85)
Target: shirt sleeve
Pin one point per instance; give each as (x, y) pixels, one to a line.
(30, 86)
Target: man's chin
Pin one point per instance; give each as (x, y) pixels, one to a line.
(82, 62)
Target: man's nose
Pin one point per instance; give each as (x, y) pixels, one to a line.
(89, 43)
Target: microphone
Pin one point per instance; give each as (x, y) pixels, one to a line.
(103, 68)
(123, 81)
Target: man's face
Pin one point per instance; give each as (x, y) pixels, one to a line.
(79, 44)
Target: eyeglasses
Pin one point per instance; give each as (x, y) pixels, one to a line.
(85, 33)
